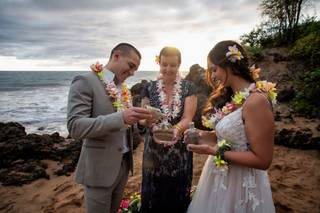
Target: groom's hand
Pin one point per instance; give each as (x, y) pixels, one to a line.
(134, 114)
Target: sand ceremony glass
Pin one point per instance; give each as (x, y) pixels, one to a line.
(162, 131)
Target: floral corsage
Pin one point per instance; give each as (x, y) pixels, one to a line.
(219, 160)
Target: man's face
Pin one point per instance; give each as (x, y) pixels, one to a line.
(126, 65)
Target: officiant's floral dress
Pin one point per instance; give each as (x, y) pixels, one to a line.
(167, 171)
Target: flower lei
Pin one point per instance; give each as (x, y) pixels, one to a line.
(120, 103)
(173, 110)
(239, 98)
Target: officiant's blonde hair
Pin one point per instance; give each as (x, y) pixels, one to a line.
(170, 51)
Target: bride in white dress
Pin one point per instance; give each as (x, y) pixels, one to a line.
(239, 183)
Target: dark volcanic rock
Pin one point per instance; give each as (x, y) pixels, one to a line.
(203, 90)
(136, 92)
(278, 57)
(11, 130)
(286, 94)
(31, 146)
(197, 76)
(70, 150)
(137, 88)
(21, 154)
(23, 172)
(297, 138)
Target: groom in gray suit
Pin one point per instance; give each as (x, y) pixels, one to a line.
(106, 154)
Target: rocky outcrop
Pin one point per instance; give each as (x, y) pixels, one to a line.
(278, 67)
(299, 138)
(286, 94)
(202, 89)
(23, 172)
(136, 92)
(197, 75)
(295, 132)
(21, 155)
(11, 130)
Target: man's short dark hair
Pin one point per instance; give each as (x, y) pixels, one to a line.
(125, 49)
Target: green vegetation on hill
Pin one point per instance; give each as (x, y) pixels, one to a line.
(307, 45)
(283, 28)
(307, 101)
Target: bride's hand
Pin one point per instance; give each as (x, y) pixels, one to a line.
(208, 137)
(205, 137)
(203, 149)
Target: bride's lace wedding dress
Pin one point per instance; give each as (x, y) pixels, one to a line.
(240, 189)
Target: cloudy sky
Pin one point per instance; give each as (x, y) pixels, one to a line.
(72, 34)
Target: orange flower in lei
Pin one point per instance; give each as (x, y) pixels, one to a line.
(120, 100)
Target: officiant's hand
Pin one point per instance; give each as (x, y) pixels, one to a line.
(176, 137)
(134, 114)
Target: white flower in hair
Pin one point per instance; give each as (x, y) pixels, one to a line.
(234, 54)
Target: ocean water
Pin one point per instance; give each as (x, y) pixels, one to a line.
(38, 100)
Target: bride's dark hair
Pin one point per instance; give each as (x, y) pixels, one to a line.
(218, 56)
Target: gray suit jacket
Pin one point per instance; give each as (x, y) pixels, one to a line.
(92, 117)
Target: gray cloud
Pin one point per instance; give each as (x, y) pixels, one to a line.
(74, 30)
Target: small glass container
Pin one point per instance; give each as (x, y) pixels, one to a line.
(193, 135)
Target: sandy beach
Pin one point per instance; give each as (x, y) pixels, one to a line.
(294, 177)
